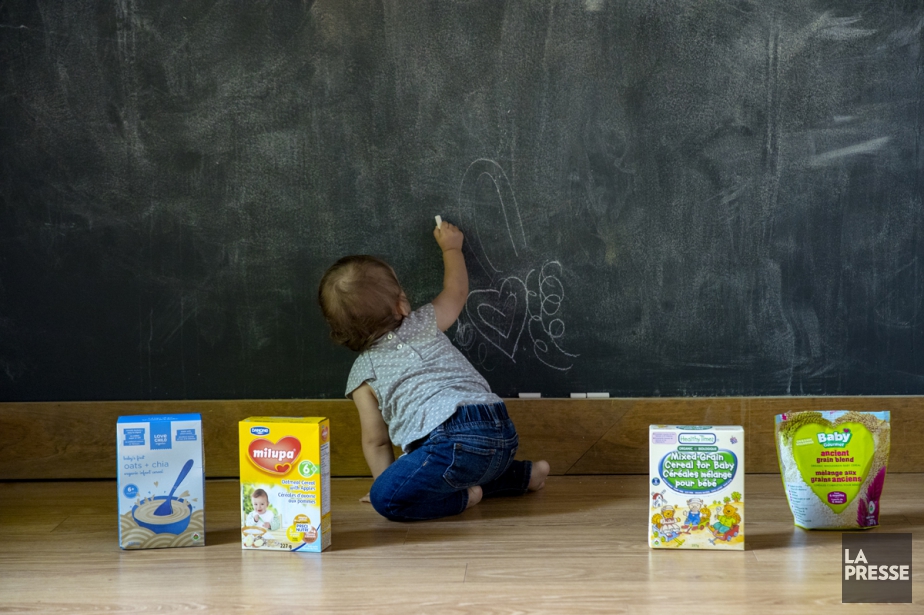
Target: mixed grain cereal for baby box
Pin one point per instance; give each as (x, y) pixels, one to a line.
(161, 481)
(833, 465)
(285, 484)
(696, 497)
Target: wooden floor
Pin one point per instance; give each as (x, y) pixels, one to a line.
(578, 547)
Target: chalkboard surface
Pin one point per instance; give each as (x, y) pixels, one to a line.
(659, 198)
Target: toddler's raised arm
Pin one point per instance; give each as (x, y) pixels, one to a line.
(449, 303)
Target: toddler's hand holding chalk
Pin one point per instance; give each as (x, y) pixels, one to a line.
(448, 236)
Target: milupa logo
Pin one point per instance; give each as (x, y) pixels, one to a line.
(274, 457)
(836, 439)
(268, 453)
(259, 431)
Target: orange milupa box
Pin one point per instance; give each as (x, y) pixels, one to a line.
(285, 484)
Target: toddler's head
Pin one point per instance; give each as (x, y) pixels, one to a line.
(361, 300)
(260, 501)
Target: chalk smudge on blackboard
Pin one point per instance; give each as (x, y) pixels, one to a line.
(832, 157)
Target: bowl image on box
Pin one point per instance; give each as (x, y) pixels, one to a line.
(696, 483)
(174, 523)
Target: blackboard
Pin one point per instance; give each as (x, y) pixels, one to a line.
(659, 198)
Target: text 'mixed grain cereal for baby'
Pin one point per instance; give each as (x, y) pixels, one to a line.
(696, 497)
(285, 484)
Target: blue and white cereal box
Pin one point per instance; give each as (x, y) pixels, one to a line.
(161, 481)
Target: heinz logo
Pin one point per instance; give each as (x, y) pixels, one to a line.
(259, 431)
(275, 457)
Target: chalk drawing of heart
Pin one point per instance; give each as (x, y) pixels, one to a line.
(500, 315)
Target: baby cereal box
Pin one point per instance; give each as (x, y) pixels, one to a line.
(285, 484)
(696, 498)
(161, 481)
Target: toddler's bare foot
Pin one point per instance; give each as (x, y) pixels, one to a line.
(538, 475)
(474, 496)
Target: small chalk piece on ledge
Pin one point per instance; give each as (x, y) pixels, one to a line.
(597, 395)
(579, 396)
(530, 395)
(439, 221)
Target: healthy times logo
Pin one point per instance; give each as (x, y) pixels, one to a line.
(876, 568)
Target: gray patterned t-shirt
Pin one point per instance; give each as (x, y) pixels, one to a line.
(419, 377)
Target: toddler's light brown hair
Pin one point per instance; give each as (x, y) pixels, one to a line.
(359, 296)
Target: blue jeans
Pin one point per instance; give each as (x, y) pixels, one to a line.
(475, 446)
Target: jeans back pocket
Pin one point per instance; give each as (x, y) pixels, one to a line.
(471, 465)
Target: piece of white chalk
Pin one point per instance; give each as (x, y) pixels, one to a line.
(530, 395)
(598, 395)
(439, 222)
(579, 396)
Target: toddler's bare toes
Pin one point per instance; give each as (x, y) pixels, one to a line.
(538, 475)
(474, 496)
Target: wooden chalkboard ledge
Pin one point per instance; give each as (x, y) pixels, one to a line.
(76, 440)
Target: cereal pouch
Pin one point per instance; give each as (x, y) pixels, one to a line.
(833, 465)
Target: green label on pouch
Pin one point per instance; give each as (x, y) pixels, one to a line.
(834, 461)
(698, 472)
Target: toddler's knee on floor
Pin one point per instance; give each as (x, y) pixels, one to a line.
(382, 504)
(377, 498)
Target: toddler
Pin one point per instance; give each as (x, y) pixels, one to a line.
(413, 388)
